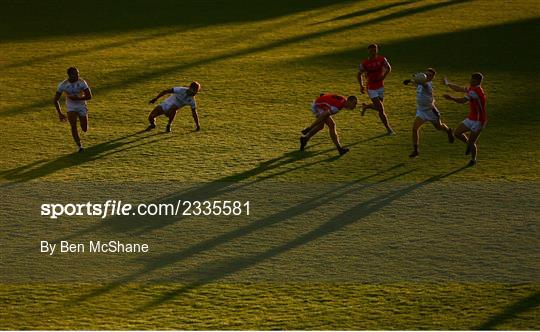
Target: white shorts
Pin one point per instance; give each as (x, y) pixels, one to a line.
(379, 93)
(431, 115)
(82, 110)
(318, 111)
(167, 105)
(474, 126)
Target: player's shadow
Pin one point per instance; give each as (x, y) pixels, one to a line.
(523, 305)
(156, 263)
(137, 225)
(222, 268)
(43, 168)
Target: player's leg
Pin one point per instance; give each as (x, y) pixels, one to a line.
(372, 94)
(314, 128)
(378, 102)
(83, 120)
(304, 140)
(460, 131)
(157, 111)
(334, 135)
(317, 129)
(473, 147)
(366, 107)
(439, 125)
(316, 124)
(417, 124)
(171, 114)
(72, 118)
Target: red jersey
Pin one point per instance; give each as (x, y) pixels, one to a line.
(330, 102)
(374, 71)
(477, 104)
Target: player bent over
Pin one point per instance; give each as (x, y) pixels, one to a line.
(426, 111)
(181, 96)
(77, 93)
(375, 68)
(323, 108)
(477, 118)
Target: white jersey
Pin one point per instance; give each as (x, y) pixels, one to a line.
(424, 97)
(76, 88)
(181, 98)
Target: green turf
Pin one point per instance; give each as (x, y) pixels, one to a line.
(261, 63)
(277, 306)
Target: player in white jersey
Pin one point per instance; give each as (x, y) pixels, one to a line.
(426, 111)
(181, 96)
(77, 93)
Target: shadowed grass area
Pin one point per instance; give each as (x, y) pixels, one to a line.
(258, 81)
(261, 63)
(68, 18)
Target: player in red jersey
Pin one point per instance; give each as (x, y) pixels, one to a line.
(477, 118)
(323, 108)
(375, 68)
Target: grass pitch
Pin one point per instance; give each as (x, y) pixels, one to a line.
(261, 63)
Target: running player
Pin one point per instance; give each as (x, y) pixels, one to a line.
(323, 108)
(375, 68)
(477, 118)
(181, 96)
(77, 93)
(426, 111)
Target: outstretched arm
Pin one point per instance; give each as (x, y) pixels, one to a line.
(454, 87)
(409, 81)
(196, 119)
(161, 94)
(56, 103)
(461, 100)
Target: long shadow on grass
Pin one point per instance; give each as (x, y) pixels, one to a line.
(525, 304)
(86, 50)
(137, 225)
(222, 268)
(366, 11)
(138, 77)
(167, 259)
(493, 53)
(42, 168)
(69, 18)
(131, 41)
(492, 45)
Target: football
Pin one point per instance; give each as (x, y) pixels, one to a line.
(420, 78)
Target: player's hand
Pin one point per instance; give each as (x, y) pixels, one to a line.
(153, 100)
(62, 117)
(406, 82)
